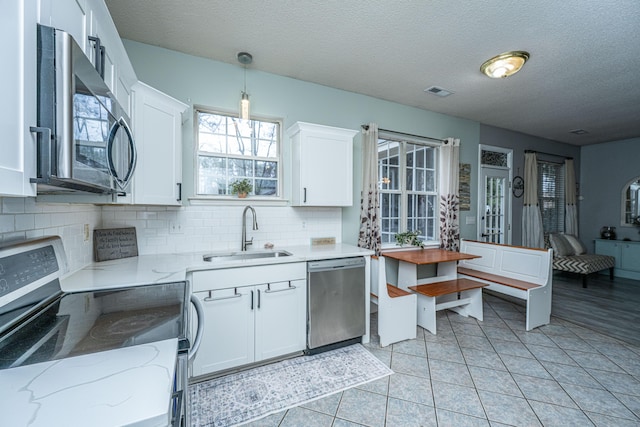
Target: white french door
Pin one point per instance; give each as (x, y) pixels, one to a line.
(494, 210)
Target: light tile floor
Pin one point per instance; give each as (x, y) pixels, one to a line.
(489, 373)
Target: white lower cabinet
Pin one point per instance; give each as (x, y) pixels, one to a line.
(246, 323)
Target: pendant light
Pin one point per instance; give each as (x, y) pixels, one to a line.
(505, 64)
(245, 59)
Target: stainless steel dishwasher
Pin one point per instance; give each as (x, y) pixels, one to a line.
(336, 303)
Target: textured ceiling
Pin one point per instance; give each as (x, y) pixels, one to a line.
(584, 71)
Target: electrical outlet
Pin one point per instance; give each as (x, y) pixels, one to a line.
(86, 233)
(176, 227)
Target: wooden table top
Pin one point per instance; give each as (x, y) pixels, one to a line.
(428, 256)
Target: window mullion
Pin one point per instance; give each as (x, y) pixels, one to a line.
(404, 198)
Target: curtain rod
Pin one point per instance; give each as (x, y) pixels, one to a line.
(547, 154)
(366, 127)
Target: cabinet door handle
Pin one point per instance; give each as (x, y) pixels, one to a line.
(258, 298)
(305, 195)
(251, 300)
(271, 291)
(98, 53)
(179, 199)
(235, 295)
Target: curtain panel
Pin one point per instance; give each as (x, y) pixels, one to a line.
(449, 195)
(369, 235)
(571, 209)
(532, 233)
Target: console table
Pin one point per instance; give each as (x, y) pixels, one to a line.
(626, 253)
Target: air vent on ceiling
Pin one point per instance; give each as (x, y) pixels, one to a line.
(578, 132)
(438, 91)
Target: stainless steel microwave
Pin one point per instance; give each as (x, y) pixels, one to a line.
(85, 143)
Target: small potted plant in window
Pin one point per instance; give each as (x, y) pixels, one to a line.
(241, 187)
(409, 238)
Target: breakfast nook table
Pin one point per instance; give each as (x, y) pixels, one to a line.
(442, 291)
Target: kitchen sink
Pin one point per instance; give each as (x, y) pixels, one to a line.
(239, 256)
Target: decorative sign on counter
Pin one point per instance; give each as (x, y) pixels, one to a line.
(114, 243)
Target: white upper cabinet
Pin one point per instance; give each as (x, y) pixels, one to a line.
(18, 107)
(91, 26)
(157, 128)
(322, 172)
(67, 15)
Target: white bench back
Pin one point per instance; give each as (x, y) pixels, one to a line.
(526, 264)
(379, 279)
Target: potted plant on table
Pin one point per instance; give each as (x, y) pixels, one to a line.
(409, 238)
(241, 187)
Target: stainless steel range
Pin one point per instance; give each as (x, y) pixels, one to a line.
(40, 323)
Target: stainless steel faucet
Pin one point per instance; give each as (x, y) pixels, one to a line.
(246, 242)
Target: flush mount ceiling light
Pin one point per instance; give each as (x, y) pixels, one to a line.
(505, 64)
(245, 59)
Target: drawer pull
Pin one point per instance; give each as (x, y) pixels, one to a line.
(271, 291)
(211, 298)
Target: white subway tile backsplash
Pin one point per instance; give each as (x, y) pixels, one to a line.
(7, 223)
(25, 218)
(203, 228)
(12, 205)
(25, 222)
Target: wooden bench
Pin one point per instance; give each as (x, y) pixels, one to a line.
(524, 273)
(463, 296)
(393, 291)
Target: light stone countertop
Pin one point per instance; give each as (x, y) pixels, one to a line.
(165, 268)
(127, 386)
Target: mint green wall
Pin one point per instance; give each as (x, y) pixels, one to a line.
(200, 81)
(606, 169)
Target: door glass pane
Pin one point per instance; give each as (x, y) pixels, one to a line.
(494, 215)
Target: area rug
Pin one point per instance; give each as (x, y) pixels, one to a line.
(249, 395)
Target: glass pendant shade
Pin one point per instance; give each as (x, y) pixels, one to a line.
(245, 59)
(244, 106)
(505, 64)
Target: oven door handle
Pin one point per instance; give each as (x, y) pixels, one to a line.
(200, 316)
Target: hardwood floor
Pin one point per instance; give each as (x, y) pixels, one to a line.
(608, 306)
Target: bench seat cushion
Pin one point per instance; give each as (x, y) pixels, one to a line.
(583, 264)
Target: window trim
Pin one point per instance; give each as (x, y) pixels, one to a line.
(403, 140)
(230, 199)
